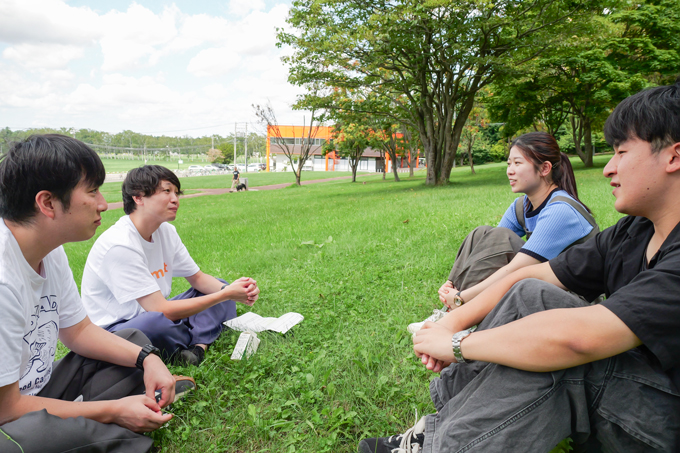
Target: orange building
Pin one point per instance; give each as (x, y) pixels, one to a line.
(294, 136)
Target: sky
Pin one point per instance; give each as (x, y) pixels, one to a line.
(188, 67)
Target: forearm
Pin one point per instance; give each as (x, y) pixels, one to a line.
(101, 411)
(475, 310)
(207, 284)
(183, 308)
(552, 340)
(521, 260)
(90, 340)
(477, 289)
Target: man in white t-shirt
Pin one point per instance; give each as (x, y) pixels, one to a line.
(49, 196)
(128, 274)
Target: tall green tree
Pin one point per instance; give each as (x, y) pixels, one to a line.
(428, 58)
(581, 80)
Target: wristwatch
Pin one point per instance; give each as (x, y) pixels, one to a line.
(455, 344)
(146, 350)
(457, 300)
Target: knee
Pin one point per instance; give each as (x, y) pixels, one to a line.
(135, 336)
(482, 230)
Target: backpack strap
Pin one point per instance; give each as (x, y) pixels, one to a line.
(586, 215)
(519, 212)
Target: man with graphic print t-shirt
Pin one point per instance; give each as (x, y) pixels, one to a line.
(97, 394)
(128, 274)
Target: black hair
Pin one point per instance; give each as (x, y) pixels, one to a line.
(143, 182)
(652, 115)
(539, 147)
(52, 162)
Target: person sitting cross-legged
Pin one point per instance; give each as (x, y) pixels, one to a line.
(550, 215)
(102, 393)
(128, 274)
(544, 364)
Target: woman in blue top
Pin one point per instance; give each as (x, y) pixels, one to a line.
(550, 216)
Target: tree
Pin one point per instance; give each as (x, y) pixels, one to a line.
(267, 117)
(428, 58)
(227, 150)
(587, 75)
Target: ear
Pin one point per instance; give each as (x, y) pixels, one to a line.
(139, 201)
(545, 169)
(47, 203)
(673, 158)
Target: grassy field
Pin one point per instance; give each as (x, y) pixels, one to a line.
(123, 165)
(111, 190)
(380, 252)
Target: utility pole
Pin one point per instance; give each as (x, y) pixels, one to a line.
(245, 140)
(234, 146)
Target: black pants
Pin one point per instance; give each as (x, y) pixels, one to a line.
(72, 377)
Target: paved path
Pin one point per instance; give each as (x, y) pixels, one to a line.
(202, 192)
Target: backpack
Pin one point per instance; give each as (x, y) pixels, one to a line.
(519, 212)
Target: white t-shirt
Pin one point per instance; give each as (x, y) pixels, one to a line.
(122, 267)
(34, 307)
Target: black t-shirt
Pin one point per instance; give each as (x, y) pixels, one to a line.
(644, 295)
(236, 173)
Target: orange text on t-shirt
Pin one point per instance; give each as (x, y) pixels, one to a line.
(160, 272)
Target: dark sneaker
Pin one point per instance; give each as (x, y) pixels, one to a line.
(409, 442)
(183, 385)
(192, 356)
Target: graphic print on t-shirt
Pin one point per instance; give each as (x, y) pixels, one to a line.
(160, 272)
(41, 338)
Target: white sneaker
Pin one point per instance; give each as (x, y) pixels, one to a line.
(436, 315)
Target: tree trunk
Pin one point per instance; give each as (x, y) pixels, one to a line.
(588, 142)
(472, 163)
(354, 163)
(577, 135)
(394, 168)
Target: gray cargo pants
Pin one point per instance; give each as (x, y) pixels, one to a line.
(621, 404)
(483, 252)
(72, 376)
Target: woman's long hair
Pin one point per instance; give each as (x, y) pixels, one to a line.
(539, 147)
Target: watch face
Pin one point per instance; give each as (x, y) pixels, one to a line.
(457, 301)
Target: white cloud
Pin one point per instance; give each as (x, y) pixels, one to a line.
(135, 35)
(140, 70)
(214, 62)
(243, 7)
(53, 21)
(46, 56)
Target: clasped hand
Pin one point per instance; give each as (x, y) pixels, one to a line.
(432, 344)
(245, 290)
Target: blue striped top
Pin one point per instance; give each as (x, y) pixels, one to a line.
(554, 227)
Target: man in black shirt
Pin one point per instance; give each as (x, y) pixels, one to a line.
(235, 179)
(543, 364)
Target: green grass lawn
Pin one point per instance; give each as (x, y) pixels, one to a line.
(348, 370)
(111, 190)
(123, 165)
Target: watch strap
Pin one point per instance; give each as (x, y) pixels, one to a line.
(456, 339)
(146, 350)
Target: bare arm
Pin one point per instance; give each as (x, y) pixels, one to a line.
(243, 290)
(545, 341)
(475, 310)
(139, 413)
(447, 291)
(90, 340)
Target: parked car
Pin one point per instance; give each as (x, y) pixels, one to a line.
(241, 167)
(254, 168)
(219, 166)
(194, 168)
